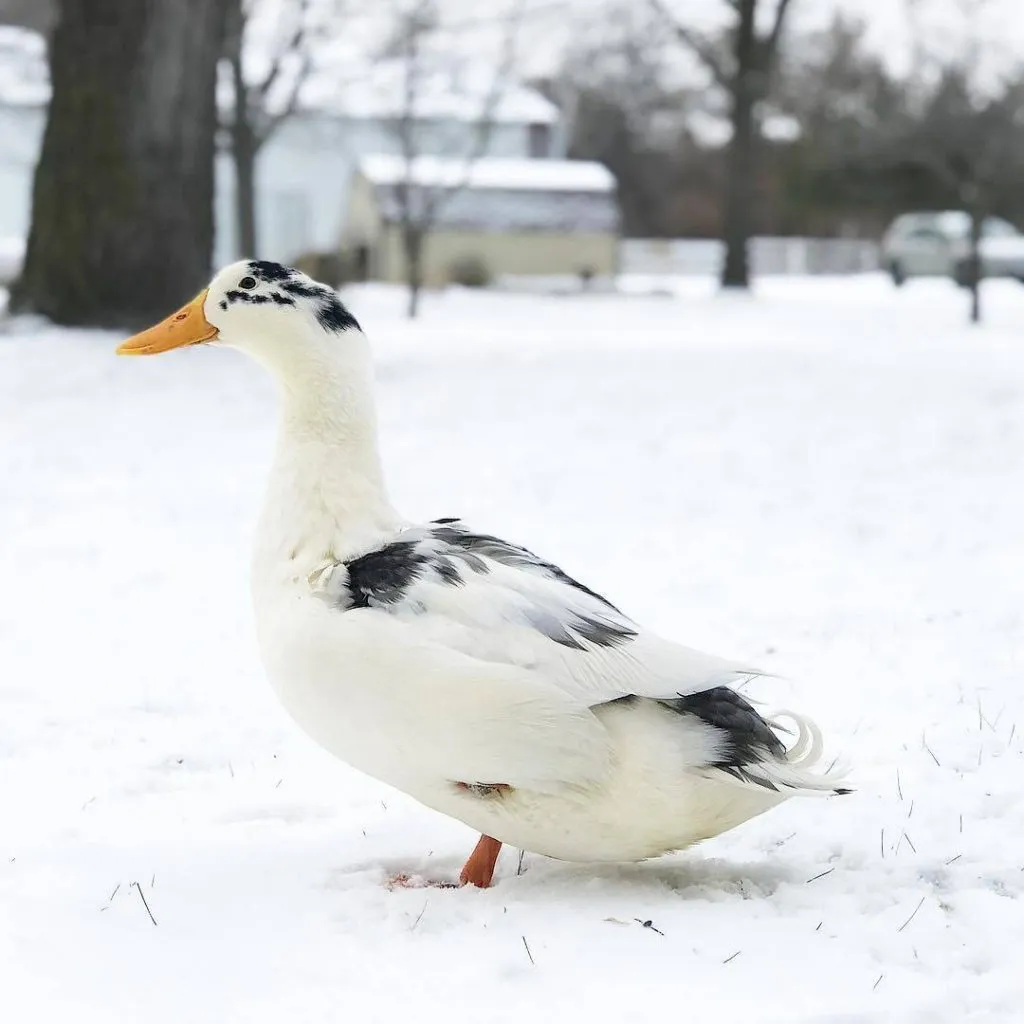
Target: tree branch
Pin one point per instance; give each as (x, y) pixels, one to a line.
(291, 101)
(294, 44)
(771, 44)
(434, 198)
(484, 126)
(702, 47)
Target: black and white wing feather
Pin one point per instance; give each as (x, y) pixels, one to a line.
(499, 602)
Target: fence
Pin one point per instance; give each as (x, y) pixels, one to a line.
(768, 255)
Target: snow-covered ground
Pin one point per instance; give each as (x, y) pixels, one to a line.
(825, 480)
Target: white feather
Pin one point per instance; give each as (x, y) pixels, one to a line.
(509, 675)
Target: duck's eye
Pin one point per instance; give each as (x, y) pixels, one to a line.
(247, 282)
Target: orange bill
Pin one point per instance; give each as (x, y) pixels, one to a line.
(188, 326)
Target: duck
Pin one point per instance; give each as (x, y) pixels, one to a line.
(460, 668)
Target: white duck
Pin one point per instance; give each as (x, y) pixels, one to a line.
(455, 666)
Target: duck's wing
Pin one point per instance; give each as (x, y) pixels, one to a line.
(523, 655)
(499, 603)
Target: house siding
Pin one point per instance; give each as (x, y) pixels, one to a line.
(520, 253)
(305, 170)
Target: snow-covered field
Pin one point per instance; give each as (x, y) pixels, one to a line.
(826, 480)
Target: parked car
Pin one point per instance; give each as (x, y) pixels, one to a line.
(938, 244)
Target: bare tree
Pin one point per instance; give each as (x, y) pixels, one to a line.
(742, 65)
(262, 102)
(965, 132)
(122, 203)
(971, 145)
(416, 39)
(619, 106)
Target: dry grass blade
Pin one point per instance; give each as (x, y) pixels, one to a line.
(822, 875)
(913, 915)
(142, 896)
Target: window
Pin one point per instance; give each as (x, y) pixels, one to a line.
(540, 140)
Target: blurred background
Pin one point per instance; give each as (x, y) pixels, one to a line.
(691, 285)
(539, 143)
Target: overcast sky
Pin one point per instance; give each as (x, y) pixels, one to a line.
(997, 26)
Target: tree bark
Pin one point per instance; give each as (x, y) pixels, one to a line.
(244, 147)
(413, 239)
(974, 267)
(122, 206)
(38, 15)
(741, 158)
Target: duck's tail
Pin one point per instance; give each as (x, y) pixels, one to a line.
(799, 768)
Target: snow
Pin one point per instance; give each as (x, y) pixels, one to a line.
(12, 255)
(824, 479)
(489, 172)
(24, 76)
(501, 194)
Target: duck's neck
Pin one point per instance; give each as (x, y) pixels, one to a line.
(326, 497)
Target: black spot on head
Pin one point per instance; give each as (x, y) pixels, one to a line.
(266, 270)
(382, 577)
(330, 312)
(223, 303)
(307, 291)
(253, 299)
(446, 519)
(333, 315)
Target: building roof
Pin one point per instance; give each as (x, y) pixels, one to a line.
(521, 175)
(446, 91)
(501, 195)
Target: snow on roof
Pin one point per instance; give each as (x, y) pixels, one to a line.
(24, 75)
(489, 173)
(501, 195)
(511, 210)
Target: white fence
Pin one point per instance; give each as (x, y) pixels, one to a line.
(768, 255)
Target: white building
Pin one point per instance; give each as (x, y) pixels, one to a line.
(505, 217)
(304, 171)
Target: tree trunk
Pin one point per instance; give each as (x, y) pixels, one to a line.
(38, 15)
(122, 206)
(741, 158)
(974, 267)
(244, 144)
(244, 148)
(413, 240)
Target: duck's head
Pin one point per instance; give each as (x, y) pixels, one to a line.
(276, 314)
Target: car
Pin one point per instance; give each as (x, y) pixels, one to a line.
(938, 245)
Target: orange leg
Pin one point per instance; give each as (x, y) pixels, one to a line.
(479, 869)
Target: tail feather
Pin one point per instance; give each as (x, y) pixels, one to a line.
(749, 748)
(799, 767)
